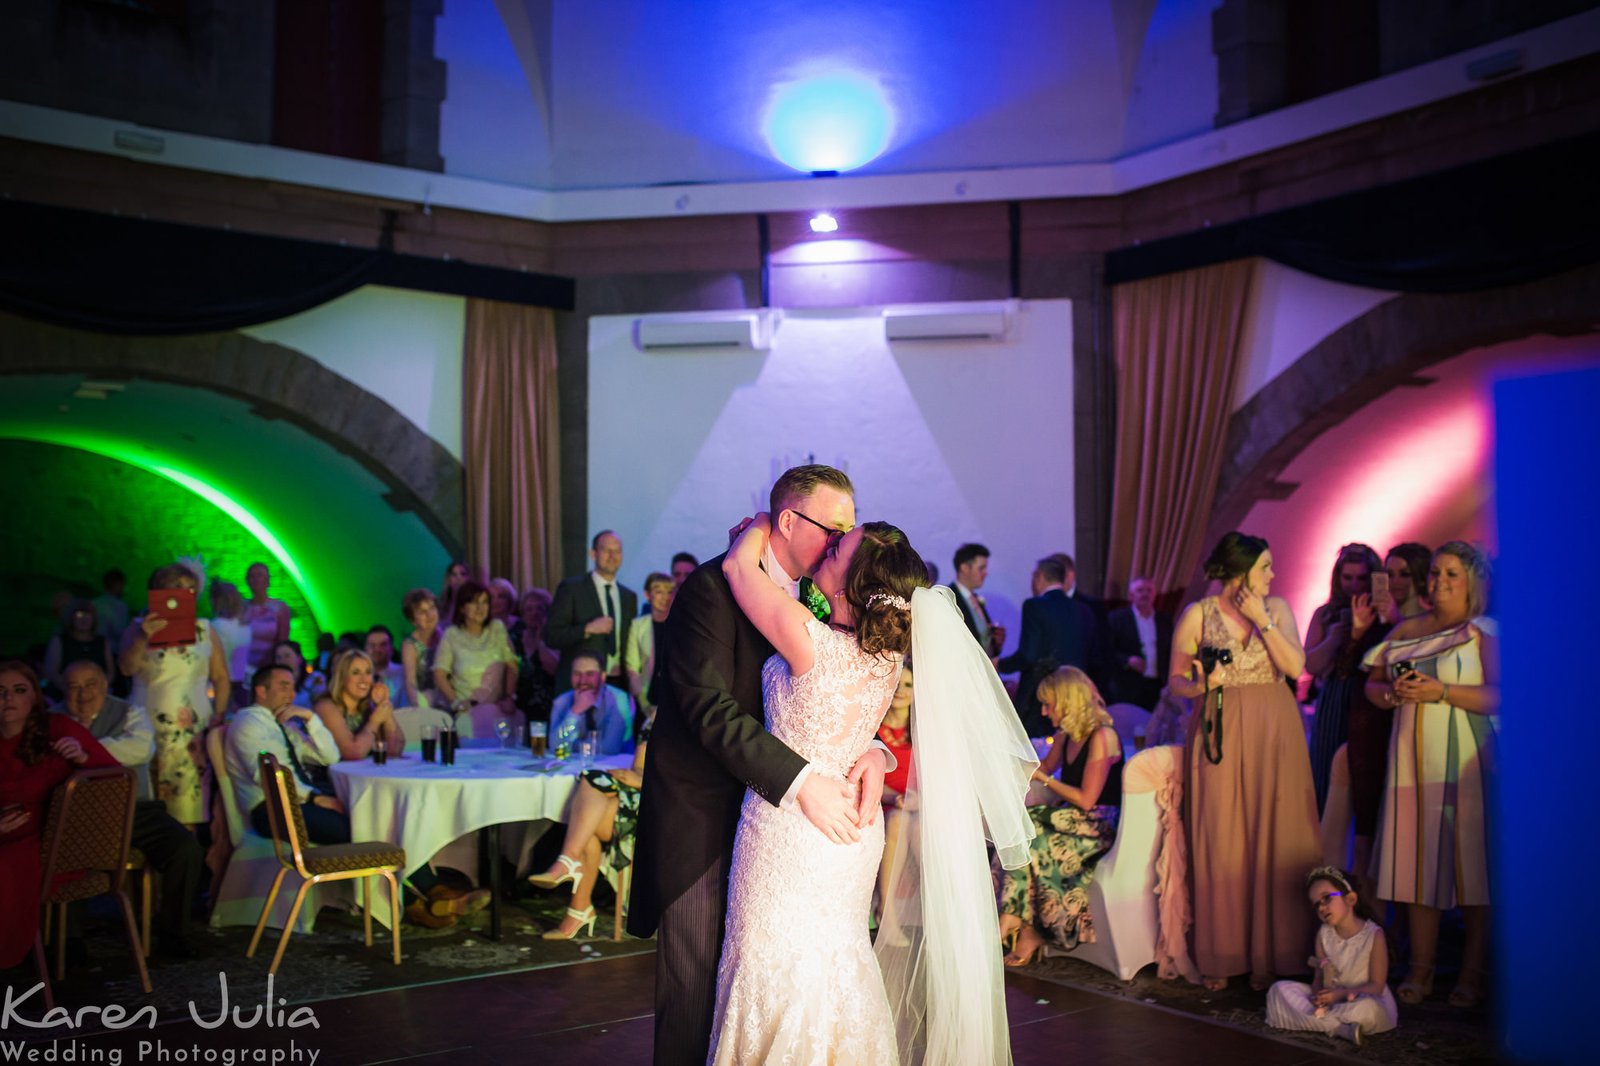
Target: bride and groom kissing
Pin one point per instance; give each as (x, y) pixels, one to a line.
(759, 840)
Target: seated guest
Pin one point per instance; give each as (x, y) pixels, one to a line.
(503, 602)
(38, 751)
(1169, 722)
(536, 660)
(1047, 899)
(1141, 645)
(474, 663)
(593, 706)
(895, 733)
(605, 812)
(416, 651)
(380, 649)
(308, 684)
(78, 639)
(125, 731)
(642, 666)
(357, 709)
(298, 739)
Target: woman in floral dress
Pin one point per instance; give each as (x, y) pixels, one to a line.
(171, 684)
(1048, 900)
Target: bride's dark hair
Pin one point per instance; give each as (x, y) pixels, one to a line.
(884, 565)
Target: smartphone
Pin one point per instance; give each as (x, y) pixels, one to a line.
(1380, 583)
(176, 606)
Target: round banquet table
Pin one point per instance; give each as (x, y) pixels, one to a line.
(423, 806)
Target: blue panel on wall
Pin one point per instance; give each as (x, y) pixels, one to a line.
(1548, 438)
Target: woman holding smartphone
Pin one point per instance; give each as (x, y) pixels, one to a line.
(1341, 631)
(1440, 672)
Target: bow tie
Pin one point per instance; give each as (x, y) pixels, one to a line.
(814, 600)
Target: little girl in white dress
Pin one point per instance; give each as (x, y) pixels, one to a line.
(1349, 993)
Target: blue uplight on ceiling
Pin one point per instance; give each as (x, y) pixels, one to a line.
(836, 122)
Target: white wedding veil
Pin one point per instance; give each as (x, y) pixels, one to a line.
(939, 942)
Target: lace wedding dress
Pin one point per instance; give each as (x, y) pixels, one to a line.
(797, 983)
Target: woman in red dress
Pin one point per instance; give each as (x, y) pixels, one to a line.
(38, 751)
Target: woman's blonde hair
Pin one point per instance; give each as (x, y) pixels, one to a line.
(342, 665)
(1070, 691)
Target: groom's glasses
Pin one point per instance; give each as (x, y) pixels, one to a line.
(833, 534)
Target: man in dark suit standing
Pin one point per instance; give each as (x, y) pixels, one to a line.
(710, 743)
(1057, 630)
(972, 568)
(1141, 647)
(593, 613)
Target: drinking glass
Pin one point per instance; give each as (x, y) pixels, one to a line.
(430, 742)
(538, 733)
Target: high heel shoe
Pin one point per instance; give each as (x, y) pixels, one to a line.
(1468, 992)
(1014, 960)
(1414, 990)
(572, 871)
(585, 915)
(1009, 933)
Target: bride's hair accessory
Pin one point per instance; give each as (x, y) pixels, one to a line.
(887, 597)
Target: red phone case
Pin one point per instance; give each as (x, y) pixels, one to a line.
(176, 606)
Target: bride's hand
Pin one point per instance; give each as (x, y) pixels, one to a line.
(868, 773)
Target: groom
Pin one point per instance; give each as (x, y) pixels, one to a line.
(710, 744)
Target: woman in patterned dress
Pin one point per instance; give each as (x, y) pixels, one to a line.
(1439, 670)
(171, 684)
(1048, 900)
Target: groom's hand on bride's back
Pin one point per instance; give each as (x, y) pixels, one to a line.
(826, 803)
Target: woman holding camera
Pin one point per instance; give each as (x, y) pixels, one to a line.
(1438, 670)
(1251, 812)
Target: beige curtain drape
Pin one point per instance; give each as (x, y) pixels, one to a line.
(1179, 345)
(512, 442)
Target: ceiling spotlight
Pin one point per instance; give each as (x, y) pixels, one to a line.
(822, 222)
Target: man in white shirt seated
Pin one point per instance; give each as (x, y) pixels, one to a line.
(125, 730)
(595, 706)
(299, 740)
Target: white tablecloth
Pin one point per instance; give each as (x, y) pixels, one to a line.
(424, 806)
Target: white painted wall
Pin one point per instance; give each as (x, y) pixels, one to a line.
(1289, 314)
(402, 346)
(953, 442)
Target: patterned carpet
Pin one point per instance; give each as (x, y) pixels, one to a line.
(328, 963)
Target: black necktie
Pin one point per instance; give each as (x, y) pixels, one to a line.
(611, 612)
(294, 760)
(589, 724)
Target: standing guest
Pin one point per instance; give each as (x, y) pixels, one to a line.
(474, 663)
(125, 731)
(683, 564)
(171, 684)
(267, 618)
(357, 709)
(1440, 670)
(642, 665)
(455, 575)
(1141, 646)
(537, 662)
(1047, 900)
(416, 651)
(234, 633)
(1346, 619)
(110, 609)
(1407, 565)
(895, 735)
(594, 612)
(593, 706)
(972, 569)
(503, 602)
(1056, 631)
(1349, 993)
(1251, 812)
(379, 647)
(1096, 606)
(38, 751)
(76, 640)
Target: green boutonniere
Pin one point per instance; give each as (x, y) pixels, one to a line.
(814, 600)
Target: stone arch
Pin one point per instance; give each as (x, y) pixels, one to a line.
(1386, 348)
(421, 477)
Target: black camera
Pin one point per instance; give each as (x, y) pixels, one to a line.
(1403, 668)
(1210, 657)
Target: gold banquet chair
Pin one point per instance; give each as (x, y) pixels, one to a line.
(320, 864)
(86, 834)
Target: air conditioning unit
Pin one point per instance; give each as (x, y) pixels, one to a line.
(957, 322)
(747, 332)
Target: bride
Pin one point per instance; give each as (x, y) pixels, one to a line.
(799, 981)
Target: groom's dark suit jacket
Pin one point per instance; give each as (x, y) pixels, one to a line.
(709, 742)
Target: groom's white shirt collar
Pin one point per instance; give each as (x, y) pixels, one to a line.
(778, 574)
